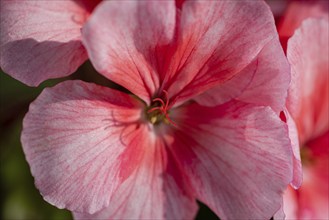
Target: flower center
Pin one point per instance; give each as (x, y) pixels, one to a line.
(159, 110)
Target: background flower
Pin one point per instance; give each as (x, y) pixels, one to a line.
(308, 103)
(308, 53)
(41, 40)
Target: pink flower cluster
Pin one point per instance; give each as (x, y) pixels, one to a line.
(216, 110)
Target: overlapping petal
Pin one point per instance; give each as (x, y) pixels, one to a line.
(263, 82)
(308, 100)
(289, 206)
(125, 42)
(238, 157)
(157, 190)
(297, 163)
(216, 40)
(184, 52)
(231, 89)
(82, 141)
(272, 78)
(42, 39)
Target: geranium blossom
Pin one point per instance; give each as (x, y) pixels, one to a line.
(308, 103)
(40, 40)
(106, 154)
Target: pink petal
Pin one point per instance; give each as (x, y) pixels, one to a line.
(263, 82)
(289, 208)
(293, 134)
(213, 42)
(82, 141)
(272, 78)
(238, 157)
(279, 214)
(228, 90)
(151, 193)
(308, 100)
(216, 40)
(123, 40)
(41, 39)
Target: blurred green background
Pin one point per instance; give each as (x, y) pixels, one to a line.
(20, 200)
(19, 197)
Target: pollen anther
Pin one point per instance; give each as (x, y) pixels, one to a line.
(159, 110)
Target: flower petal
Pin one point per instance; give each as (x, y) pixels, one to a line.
(228, 90)
(308, 96)
(272, 78)
(41, 39)
(124, 41)
(151, 193)
(238, 157)
(263, 82)
(82, 141)
(289, 208)
(293, 134)
(215, 41)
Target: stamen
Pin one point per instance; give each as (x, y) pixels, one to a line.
(163, 110)
(167, 100)
(170, 121)
(153, 119)
(159, 100)
(155, 108)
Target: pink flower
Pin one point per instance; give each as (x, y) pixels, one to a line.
(42, 39)
(308, 103)
(208, 78)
